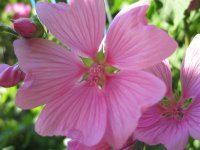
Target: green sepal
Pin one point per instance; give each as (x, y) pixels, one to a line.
(187, 103)
(111, 70)
(101, 57)
(40, 29)
(85, 76)
(166, 103)
(88, 62)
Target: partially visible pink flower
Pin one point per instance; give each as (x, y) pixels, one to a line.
(18, 10)
(172, 121)
(10, 75)
(88, 103)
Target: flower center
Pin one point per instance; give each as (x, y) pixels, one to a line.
(176, 113)
(174, 109)
(97, 70)
(96, 75)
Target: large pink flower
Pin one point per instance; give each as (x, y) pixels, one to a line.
(90, 102)
(172, 121)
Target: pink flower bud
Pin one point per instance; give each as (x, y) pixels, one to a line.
(28, 28)
(195, 4)
(25, 27)
(10, 75)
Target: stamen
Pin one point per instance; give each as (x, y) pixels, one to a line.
(96, 75)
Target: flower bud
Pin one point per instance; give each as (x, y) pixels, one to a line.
(10, 75)
(195, 4)
(28, 28)
(18, 10)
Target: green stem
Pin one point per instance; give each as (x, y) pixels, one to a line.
(186, 28)
(108, 13)
(138, 146)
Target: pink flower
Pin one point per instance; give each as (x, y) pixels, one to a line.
(10, 75)
(172, 121)
(18, 10)
(87, 103)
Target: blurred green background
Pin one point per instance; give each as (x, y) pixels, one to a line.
(180, 18)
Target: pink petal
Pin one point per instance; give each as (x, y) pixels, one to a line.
(153, 129)
(74, 145)
(79, 25)
(163, 71)
(126, 94)
(193, 118)
(80, 115)
(190, 70)
(50, 69)
(3, 67)
(132, 43)
(10, 75)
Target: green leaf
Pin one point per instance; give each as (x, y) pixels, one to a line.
(4, 28)
(116, 6)
(174, 10)
(156, 147)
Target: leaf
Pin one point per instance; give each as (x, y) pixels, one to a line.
(156, 147)
(116, 6)
(174, 10)
(7, 29)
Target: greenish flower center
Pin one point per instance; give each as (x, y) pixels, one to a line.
(97, 70)
(174, 109)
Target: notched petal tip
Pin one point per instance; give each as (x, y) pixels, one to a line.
(138, 5)
(79, 33)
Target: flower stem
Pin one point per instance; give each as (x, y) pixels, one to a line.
(138, 146)
(108, 13)
(53, 1)
(32, 3)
